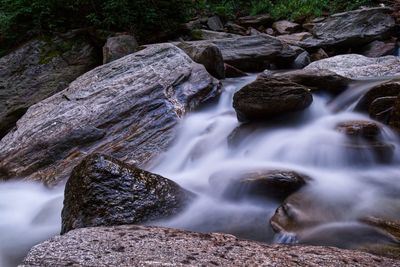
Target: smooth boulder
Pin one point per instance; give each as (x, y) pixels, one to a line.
(103, 191)
(39, 69)
(267, 97)
(127, 108)
(156, 246)
(258, 185)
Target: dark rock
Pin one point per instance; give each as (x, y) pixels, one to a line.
(232, 72)
(388, 89)
(39, 69)
(355, 66)
(366, 130)
(103, 191)
(286, 27)
(234, 28)
(258, 185)
(255, 53)
(193, 24)
(302, 60)
(321, 80)
(119, 46)
(127, 108)
(255, 21)
(378, 49)
(155, 246)
(268, 97)
(381, 108)
(211, 35)
(351, 29)
(208, 55)
(318, 55)
(394, 118)
(214, 23)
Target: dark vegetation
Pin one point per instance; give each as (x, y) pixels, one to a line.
(20, 20)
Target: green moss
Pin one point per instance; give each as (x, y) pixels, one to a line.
(52, 49)
(197, 35)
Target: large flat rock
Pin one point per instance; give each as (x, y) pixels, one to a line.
(127, 109)
(155, 246)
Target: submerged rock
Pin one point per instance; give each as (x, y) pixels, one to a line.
(39, 69)
(119, 46)
(156, 246)
(127, 108)
(103, 191)
(351, 29)
(268, 97)
(266, 184)
(366, 130)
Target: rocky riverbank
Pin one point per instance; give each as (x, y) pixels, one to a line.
(99, 129)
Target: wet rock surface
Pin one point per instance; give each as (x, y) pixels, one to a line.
(103, 191)
(258, 185)
(387, 89)
(127, 109)
(39, 69)
(267, 97)
(366, 130)
(155, 246)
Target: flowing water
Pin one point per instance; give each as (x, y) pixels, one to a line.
(307, 143)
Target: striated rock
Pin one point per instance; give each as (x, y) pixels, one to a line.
(119, 46)
(232, 72)
(351, 29)
(378, 49)
(103, 191)
(127, 109)
(211, 35)
(355, 66)
(155, 246)
(286, 27)
(321, 80)
(258, 185)
(388, 89)
(255, 21)
(268, 97)
(39, 69)
(214, 23)
(208, 55)
(295, 38)
(234, 28)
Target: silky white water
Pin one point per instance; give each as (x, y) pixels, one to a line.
(307, 143)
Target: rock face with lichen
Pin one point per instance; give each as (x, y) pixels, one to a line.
(133, 245)
(39, 69)
(103, 191)
(127, 109)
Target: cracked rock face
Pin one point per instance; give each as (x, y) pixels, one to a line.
(127, 109)
(133, 245)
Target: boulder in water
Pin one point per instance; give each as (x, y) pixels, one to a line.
(366, 130)
(103, 191)
(258, 185)
(381, 108)
(127, 108)
(267, 97)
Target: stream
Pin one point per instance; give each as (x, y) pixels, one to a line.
(307, 143)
